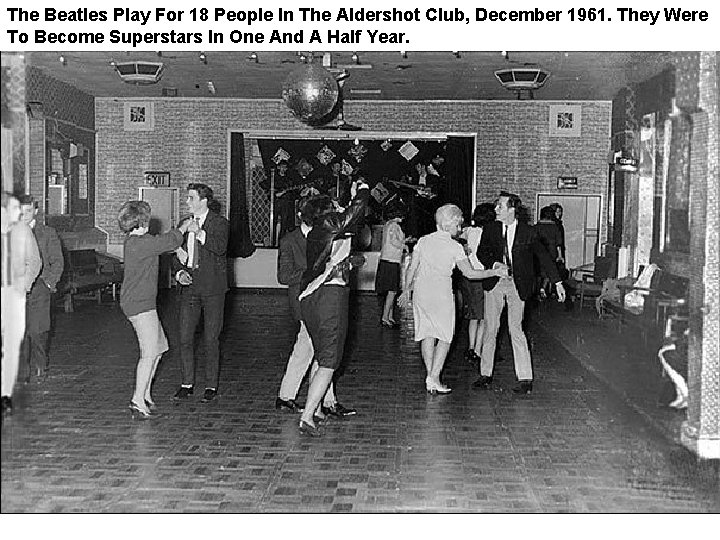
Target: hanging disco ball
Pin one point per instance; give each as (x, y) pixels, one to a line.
(311, 93)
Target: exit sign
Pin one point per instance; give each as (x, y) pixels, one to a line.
(567, 182)
(157, 179)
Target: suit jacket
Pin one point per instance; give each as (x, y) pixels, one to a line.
(210, 277)
(53, 262)
(526, 246)
(292, 262)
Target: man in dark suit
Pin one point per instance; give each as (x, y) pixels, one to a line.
(511, 243)
(201, 270)
(37, 328)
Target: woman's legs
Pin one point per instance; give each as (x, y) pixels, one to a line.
(148, 386)
(143, 373)
(427, 348)
(318, 386)
(387, 315)
(440, 354)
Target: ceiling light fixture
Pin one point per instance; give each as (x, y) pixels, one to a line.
(62, 60)
(253, 58)
(203, 57)
(355, 58)
(457, 54)
(403, 54)
(522, 80)
(140, 73)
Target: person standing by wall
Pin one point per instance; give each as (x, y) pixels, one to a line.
(201, 270)
(37, 332)
(21, 264)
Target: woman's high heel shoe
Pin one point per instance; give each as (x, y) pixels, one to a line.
(436, 387)
(151, 405)
(138, 413)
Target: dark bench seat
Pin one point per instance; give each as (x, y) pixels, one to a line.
(89, 272)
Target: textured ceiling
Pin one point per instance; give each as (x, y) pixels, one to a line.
(378, 75)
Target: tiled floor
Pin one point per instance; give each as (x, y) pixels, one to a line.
(572, 446)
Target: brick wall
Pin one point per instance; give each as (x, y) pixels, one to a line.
(190, 140)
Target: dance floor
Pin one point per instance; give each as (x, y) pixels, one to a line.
(572, 446)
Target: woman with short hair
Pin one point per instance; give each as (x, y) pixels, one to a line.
(429, 282)
(139, 292)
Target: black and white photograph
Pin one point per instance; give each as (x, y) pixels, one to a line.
(360, 281)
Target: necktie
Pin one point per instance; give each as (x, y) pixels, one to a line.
(506, 251)
(193, 255)
(6, 260)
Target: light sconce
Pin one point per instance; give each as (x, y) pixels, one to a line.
(62, 60)
(505, 55)
(355, 58)
(253, 58)
(203, 58)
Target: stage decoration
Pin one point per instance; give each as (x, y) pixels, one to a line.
(325, 155)
(379, 192)
(346, 169)
(311, 93)
(432, 170)
(280, 156)
(358, 151)
(408, 150)
(386, 145)
(304, 168)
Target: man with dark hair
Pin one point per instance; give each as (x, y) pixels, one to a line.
(512, 243)
(201, 270)
(37, 328)
(292, 263)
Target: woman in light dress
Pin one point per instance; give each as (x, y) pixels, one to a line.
(429, 283)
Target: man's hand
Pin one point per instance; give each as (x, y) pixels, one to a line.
(184, 277)
(560, 292)
(193, 226)
(404, 299)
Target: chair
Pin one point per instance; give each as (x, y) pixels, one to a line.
(591, 282)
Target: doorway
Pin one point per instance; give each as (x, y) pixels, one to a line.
(581, 220)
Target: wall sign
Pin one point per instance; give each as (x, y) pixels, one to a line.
(157, 179)
(138, 116)
(567, 182)
(565, 120)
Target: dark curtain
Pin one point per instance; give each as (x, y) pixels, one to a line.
(240, 244)
(459, 166)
